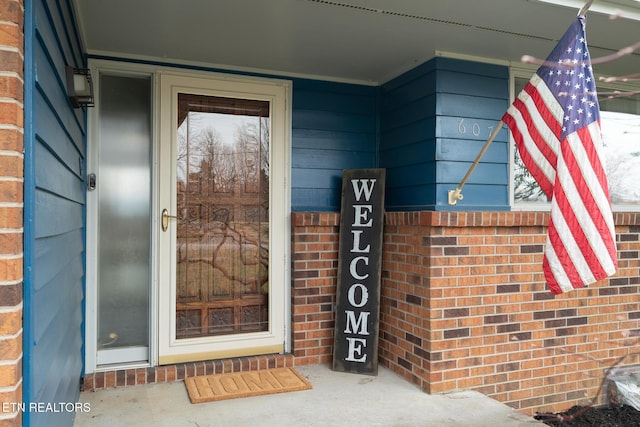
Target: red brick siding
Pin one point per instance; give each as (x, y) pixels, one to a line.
(11, 204)
(180, 371)
(464, 306)
(314, 276)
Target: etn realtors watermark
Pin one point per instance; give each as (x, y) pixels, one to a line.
(52, 407)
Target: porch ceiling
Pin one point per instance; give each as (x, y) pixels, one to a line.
(365, 41)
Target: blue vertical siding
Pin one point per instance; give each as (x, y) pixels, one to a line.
(334, 127)
(54, 214)
(434, 121)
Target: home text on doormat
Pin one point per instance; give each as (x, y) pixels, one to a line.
(210, 388)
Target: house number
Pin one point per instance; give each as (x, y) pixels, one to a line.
(474, 126)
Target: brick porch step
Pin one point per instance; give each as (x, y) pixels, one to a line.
(168, 373)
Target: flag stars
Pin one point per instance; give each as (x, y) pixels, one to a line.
(571, 80)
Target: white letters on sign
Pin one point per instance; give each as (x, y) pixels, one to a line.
(359, 268)
(362, 218)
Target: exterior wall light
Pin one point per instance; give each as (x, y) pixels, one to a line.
(79, 87)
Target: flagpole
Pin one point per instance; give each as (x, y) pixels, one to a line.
(585, 8)
(455, 195)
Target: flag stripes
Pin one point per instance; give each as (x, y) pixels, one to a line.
(535, 118)
(555, 124)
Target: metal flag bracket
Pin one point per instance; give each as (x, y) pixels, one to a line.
(455, 195)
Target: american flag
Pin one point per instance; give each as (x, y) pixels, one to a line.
(555, 122)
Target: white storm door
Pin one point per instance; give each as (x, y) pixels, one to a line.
(224, 209)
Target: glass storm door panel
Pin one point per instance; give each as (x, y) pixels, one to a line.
(217, 293)
(123, 187)
(222, 224)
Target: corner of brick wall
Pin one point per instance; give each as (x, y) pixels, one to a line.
(314, 277)
(11, 207)
(466, 307)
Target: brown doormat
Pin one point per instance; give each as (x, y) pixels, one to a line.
(210, 388)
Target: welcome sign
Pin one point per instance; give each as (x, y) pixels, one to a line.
(359, 264)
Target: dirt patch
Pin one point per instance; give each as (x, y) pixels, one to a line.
(602, 416)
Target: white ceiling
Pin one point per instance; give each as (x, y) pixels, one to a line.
(365, 41)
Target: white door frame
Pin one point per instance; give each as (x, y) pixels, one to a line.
(92, 238)
(280, 158)
(274, 340)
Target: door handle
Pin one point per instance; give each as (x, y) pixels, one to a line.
(165, 219)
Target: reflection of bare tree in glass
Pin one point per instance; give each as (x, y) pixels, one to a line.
(223, 232)
(525, 188)
(217, 165)
(619, 166)
(248, 155)
(252, 148)
(252, 144)
(189, 147)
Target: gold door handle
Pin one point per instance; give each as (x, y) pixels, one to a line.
(165, 219)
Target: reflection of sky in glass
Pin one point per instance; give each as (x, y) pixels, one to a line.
(621, 132)
(225, 126)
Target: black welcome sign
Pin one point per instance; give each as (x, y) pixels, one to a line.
(355, 346)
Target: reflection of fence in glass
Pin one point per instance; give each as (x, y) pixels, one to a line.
(222, 278)
(222, 197)
(621, 137)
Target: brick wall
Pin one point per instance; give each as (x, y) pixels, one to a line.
(11, 202)
(169, 373)
(464, 306)
(314, 276)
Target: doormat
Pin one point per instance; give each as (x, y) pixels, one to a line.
(210, 388)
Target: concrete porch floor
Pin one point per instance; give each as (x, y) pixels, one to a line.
(337, 399)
